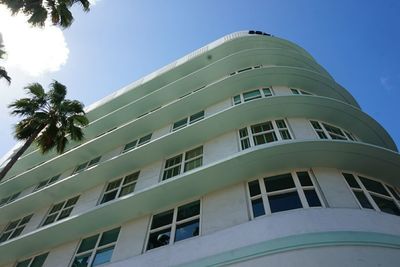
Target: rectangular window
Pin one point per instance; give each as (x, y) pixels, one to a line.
(327, 131)
(96, 250)
(251, 95)
(60, 210)
(283, 192)
(9, 199)
(299, 92)
(14, 228)
(47, 182)
(174, 225)
(120, 187)
(372, 194)
(86, 165)
(262, 133)
(189, 120)
(136, 143)
(36, 261)
(190, 160)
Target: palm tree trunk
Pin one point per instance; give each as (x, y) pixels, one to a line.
(19, 153)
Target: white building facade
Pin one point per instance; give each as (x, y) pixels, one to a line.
(245, 152)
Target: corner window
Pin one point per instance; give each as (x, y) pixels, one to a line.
(299, 92)
(60, 210)
(283, 192)
(14, 228)
(120, 187)
(174, 225)
(327, 131)
(251, 95)
(9, 199)
(97, 249)
(36, 261)
(189, 120)
(86, 165)
(47, 182)
(266, 132)
(136, 143)
(373, 194)
(184, 162)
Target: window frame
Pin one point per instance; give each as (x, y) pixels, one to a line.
(173, 225)
(299, 91)
(119, 188)
(46, 183)
(93, 251)
(188, 121)
(9, 199)
(348, 136)
(259, 89)
(368, 193)
(137, 143)
(87, 165)
(297, 188)
(32, 258)
(182, 162)
(18, 225)
(60, 211)
(275, 129)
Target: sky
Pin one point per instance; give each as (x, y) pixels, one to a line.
(118, 42)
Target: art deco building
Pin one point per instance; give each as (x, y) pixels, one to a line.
(245, 152)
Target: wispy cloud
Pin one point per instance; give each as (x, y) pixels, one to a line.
(384, 80)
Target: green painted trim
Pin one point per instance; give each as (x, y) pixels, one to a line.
(312, 240)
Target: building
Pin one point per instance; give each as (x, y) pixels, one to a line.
(245, 152)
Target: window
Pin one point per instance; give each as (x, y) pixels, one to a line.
(174, 225)
(373, 194)
(299, 92)
(47, 182)
(251, 95)
(245, 69)
(189, 120)
(283, 192)
(120, 187)
(87, 165)
(9, 199)
(96, 250)
(60, 210)
(136, 143)
(36, 261)
(326, 131)
(266, 132)
(14, 228)
(183, 163)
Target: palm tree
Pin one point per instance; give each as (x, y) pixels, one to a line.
(47, 119)
(3, 72)
(39, 11)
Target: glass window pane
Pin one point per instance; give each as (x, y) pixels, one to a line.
(257, 207)
(4, 236)
(109, 196)
(285, 134)
(179, 124)
(285, 201)
(281, 124)
(295, 91)
(304, 178)
(109, 236)
(162, 219)
(131, 177)
(127, 190)
(65, 213)
(196, 117)
(42, 184)
(57, 207)
(262, 127)
(144, 139)
(24, 263)
(172, 172)
(386, 205)
(393, 191)
(50, 219)
(71, 201)
(267, 92)
(351, 180)
(39, 260)
(187, 230)
(54, 179)
(279, 182)
(364, 202)
(245, 143)
(236, 99)
(190, 165)
(159, 238)
(194, 153)
(251, 95)
(173, 161)
(94, 161)
(188, 210)
(254, 188)
(322, 135)
(129, 146)
(17, 232)
(12, 225)
(312, 198)
(316, 125)
(103, 255)
(113, 185)
(373, 186)
(25, 219)
(243, 132)
(81, 261)
(88, 243)
(305, 93)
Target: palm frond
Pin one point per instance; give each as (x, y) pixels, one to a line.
(36, 90)
(14, 5)
(4, 75)
(65, 15)
(57, 93)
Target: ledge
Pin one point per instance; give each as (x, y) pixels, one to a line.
(363, 158)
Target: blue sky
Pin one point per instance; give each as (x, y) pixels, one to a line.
(118, 42)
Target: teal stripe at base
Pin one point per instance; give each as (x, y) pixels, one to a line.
(295, 242)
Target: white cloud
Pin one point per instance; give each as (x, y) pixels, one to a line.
(385, 83)
(34, 51)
